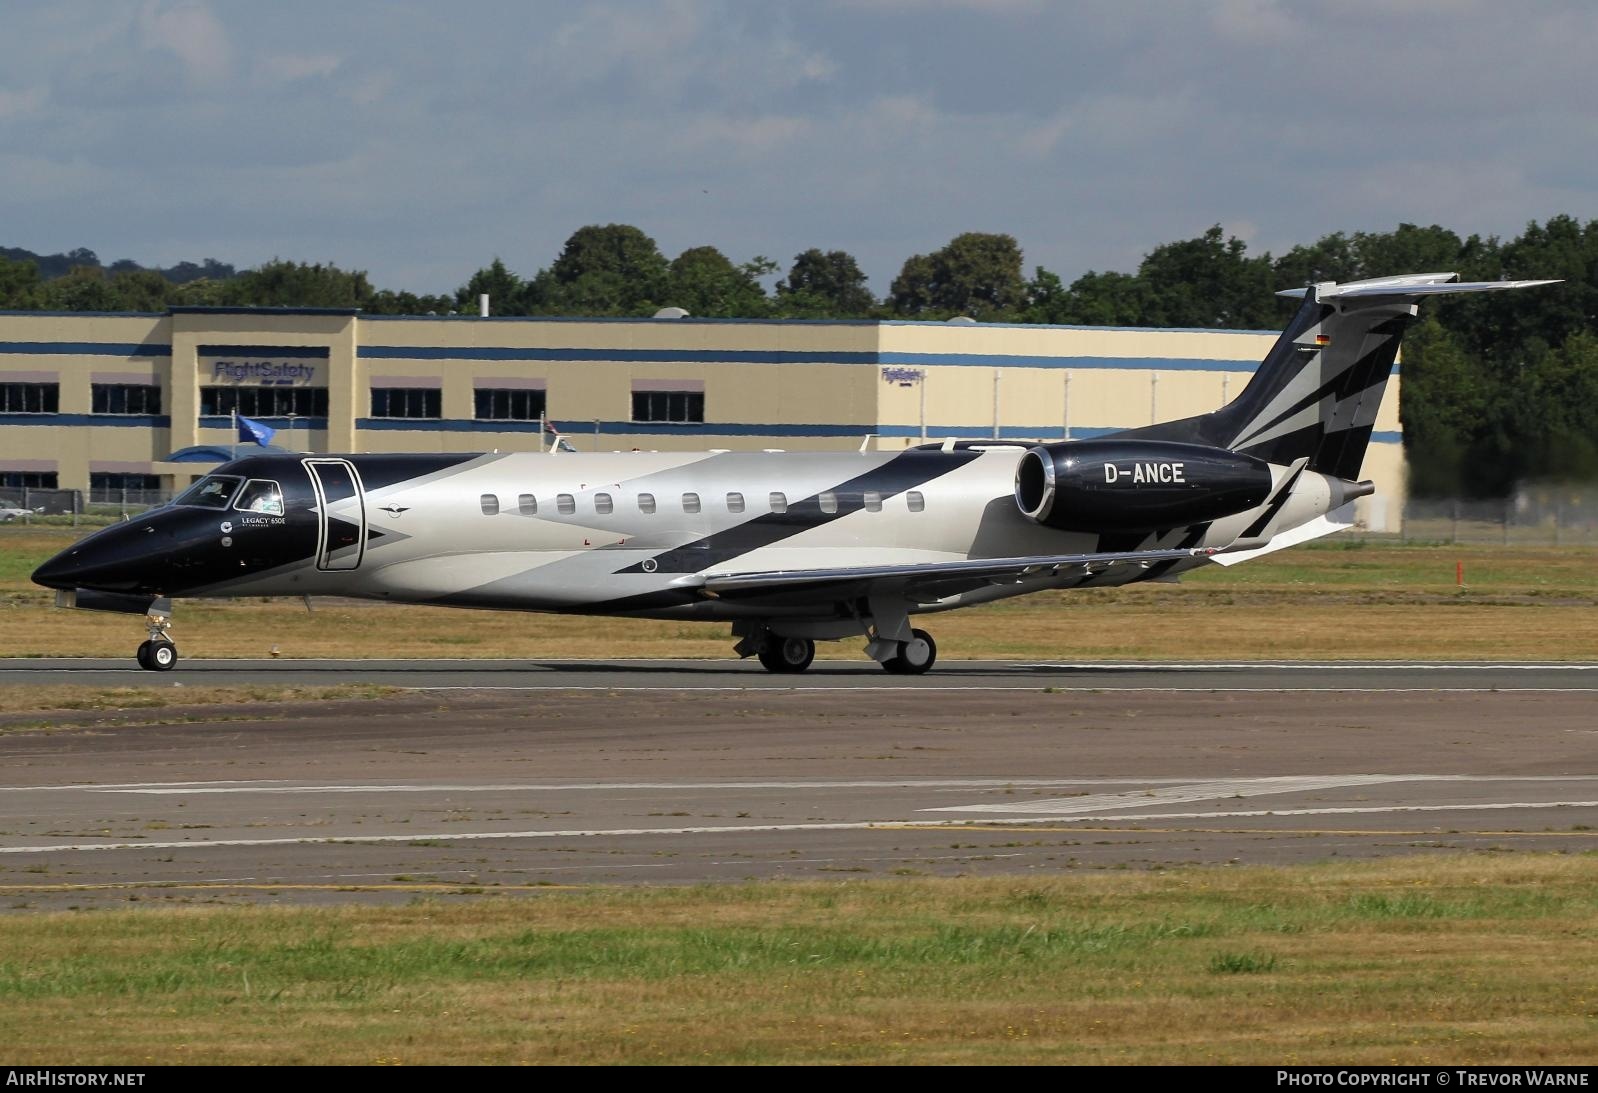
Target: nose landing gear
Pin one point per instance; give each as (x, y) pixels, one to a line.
(158, 654)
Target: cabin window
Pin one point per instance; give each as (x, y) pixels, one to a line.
(490, 503)
(527, 505)
(211, 492)
(779, 502)
(829, 502)
(735, 502)
(603, 504)
(916, 502)
(690, 502)
(565, 504)
(259, 495)
(873, 501)
(646, 504)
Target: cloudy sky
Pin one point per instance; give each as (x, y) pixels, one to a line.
(419, 140)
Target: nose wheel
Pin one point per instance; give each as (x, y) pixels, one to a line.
(158, 654)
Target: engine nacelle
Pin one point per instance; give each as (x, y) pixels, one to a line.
(1136, 485)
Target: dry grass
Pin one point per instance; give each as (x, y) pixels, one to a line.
(183, 701)
(1459, 961)
(1321, 602)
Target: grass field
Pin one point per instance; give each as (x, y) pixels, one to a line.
(1342, 600)
(1458, 961)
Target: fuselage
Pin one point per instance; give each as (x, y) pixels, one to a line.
(627, 533)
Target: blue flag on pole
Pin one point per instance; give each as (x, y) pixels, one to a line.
(254, 430)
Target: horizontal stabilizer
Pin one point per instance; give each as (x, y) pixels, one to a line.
(1415, 284)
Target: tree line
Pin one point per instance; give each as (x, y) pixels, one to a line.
(1497, 389)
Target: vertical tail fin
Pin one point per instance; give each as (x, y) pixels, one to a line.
(1317, 392)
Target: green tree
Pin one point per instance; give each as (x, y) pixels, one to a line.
(84, 288)
(826, 285)
(704, 282)
(1208, 282)
(1330, 258)
(140, 290)
(1107, 299)
(975, 273)
(507, 293)
(281, 283)
(20, 286)
(611, 269)
(1444, 398)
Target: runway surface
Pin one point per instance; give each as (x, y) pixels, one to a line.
(1016, 769)
(731, 674)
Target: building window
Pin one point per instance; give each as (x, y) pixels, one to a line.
(565, 504)
(409, 402)
(916, 502)
(527, 504)
(829, 502)
(873, 501)
(646, 504)
(30, 398)
(107, 486)
(495, 404)
(683, 407)
(490, 503)
(124, 398)
(263, 401)
(603, 504)
(735, 502)
(28, 480)
(779, 502)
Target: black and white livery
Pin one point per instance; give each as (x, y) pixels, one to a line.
(790, 548)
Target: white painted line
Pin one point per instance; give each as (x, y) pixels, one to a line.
(739, 829)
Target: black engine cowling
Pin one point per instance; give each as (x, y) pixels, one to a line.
(1136, 485)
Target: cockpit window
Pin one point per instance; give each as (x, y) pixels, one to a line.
(260, 495)
(211, 492)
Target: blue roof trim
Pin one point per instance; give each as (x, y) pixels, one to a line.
(195, 309)
(1020, 360)
(87, 349)
(119, 421)
(637, 356)
(722, 428)
(296, 352)
(283, 424)
(772, 356)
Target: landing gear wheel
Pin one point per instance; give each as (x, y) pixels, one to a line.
(787, 654)
(143, 656)
(915, 657)
(161, 656)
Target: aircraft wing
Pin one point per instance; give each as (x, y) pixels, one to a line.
(930, 580)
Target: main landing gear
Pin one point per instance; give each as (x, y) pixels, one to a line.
(157, 654)
(915, 656)
(788, 654)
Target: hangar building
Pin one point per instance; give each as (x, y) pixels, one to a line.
(111, 402)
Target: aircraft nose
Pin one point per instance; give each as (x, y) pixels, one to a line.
(62, 571)
(114, 560)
